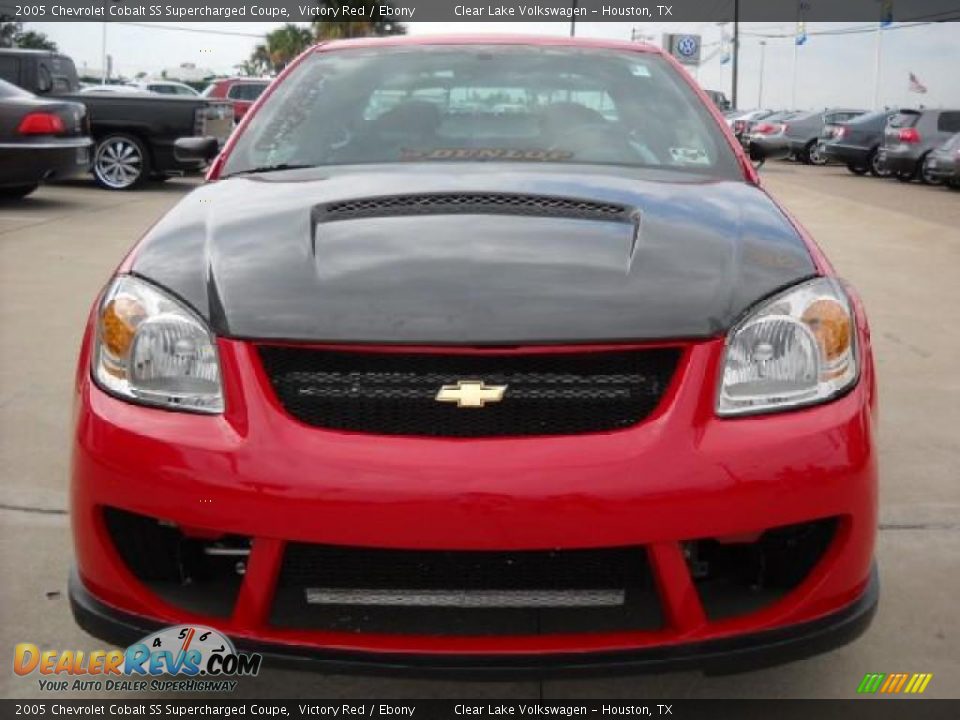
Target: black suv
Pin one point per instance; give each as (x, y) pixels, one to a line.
(909, 138)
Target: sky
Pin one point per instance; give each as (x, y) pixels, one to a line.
(831, 71)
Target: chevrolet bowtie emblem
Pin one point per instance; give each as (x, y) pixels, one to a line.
(471, 393)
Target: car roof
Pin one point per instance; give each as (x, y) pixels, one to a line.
(490, 39)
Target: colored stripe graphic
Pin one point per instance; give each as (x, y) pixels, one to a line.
(870, 683)
(923, 679)
(894, 683)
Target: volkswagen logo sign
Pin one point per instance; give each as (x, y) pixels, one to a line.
(687, 45)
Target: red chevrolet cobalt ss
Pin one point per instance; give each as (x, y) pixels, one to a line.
(478, 354)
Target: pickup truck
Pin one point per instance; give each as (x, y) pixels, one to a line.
(134, 133)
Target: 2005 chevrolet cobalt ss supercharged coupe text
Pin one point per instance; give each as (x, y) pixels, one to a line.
(486, 355)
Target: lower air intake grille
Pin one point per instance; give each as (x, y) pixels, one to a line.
(396, 393)
(439, 592)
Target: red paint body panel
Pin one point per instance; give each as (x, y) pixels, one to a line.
(682, 474)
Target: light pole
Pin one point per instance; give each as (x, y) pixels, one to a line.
(736, 52)
(876, 68)
(573, 19)
(103, 54)
(763, 48)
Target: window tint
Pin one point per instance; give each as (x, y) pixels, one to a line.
(246, 91)
(477, 103)
(949, 121)
(162, 89)
(843, 116)
(9, 69)
(873, 118)
(904, 119)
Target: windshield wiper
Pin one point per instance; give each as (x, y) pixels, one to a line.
(269, 168)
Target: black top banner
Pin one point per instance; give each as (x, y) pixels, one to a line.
(639, 11)
(380, 709)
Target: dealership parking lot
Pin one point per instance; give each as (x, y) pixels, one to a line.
(900, 246)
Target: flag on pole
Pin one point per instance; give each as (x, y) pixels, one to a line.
(886, 13)
(724, 48)
(915, 85)
(800, 36)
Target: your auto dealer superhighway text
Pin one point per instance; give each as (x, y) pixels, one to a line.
(380, 12)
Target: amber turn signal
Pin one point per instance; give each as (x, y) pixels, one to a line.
(118, 324)
(829, 322)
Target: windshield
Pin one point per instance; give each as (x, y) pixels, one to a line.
(484, 103)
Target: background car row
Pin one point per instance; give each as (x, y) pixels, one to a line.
(908, 144)
(131, 129)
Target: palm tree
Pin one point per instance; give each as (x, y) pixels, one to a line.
(336, 30)
(259, 62)
(280, 47)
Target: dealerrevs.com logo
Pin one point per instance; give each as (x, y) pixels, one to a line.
(181, 658)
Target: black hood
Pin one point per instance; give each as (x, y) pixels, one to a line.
(473, 254)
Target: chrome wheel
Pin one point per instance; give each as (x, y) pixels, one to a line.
(926, 177)
(816, 155)
(876, 165)
(119, 163)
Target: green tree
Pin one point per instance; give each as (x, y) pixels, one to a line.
(280, 46)
(8, 30)
(34, 41)
(259, 62)
(337, 29)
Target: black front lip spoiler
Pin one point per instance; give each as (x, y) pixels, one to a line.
(715, 657)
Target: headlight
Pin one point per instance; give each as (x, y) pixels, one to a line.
(153, 350)
(796, 349)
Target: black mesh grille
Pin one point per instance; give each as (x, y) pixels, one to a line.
(396, 393)
(410, 573)
(200, 575)
(344, 567)
(737, 578)
(475, 203)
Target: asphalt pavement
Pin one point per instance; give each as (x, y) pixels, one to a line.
(898, 244)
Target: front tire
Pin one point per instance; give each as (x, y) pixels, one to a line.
(925, 177)
(120, 162)
(875, 163)
(17, 191)
(811, 154)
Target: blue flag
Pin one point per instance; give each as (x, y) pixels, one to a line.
(886, 13)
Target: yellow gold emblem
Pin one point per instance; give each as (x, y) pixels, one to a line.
(471, 393)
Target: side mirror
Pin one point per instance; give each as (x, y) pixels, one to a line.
(765, 150)
(191, 149)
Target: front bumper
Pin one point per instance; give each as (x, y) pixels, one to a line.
(715, 657)
(680, 475)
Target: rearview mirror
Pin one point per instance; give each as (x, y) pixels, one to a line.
(191, 149)
(762, 151)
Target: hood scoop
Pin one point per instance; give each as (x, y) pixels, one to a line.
(474, 204)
